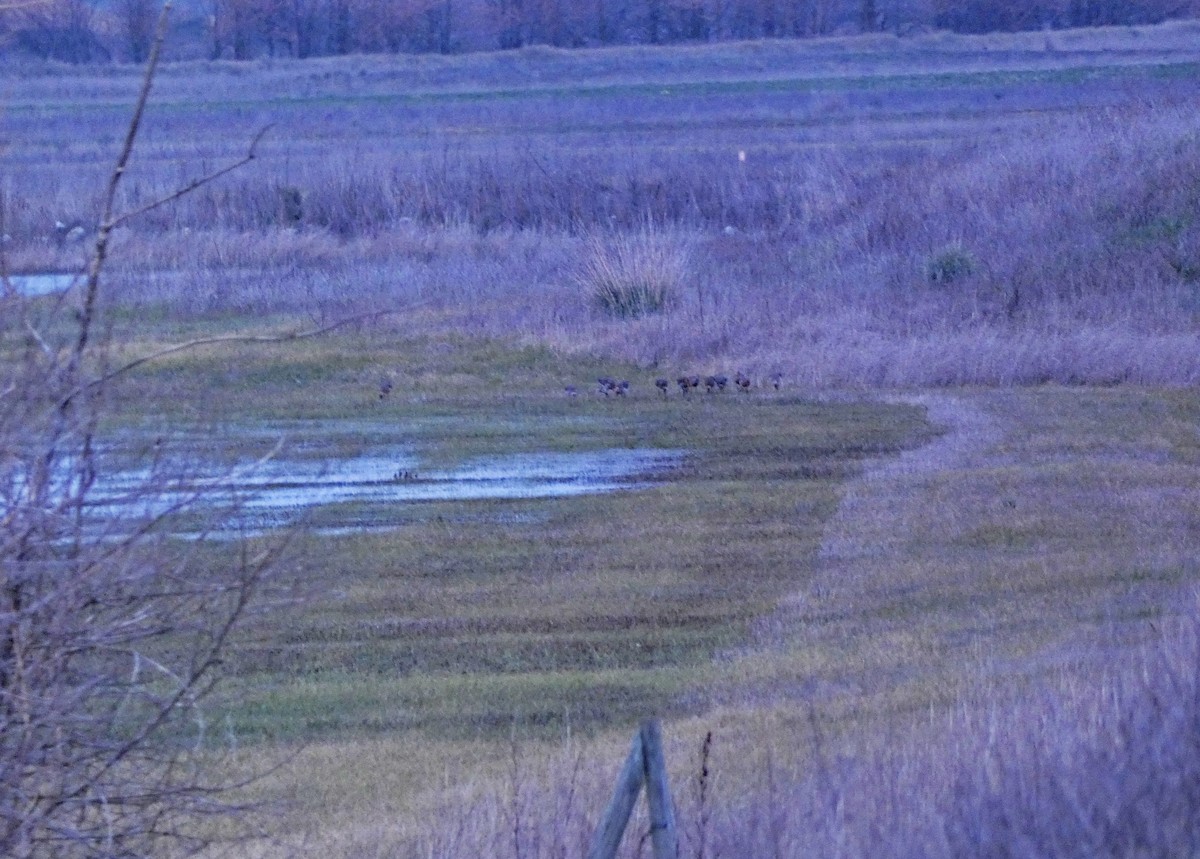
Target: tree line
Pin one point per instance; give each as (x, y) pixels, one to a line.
(83, 31)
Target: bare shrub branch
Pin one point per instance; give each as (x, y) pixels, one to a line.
(111, 630)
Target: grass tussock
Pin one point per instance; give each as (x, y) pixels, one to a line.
(631, 276)
(950, 265)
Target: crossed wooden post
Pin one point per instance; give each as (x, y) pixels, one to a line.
(647, 765)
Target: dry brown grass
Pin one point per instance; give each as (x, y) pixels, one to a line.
(1062, 170)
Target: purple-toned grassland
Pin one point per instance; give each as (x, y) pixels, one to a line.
(904, 216)
(811, 208)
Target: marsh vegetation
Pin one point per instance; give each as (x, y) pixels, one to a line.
(807, 187)
(916, 591)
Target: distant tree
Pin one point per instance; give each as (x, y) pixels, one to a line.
(1098, 13)
(868, 16)
(397, 25)
(384, 25)
(603, 26)
(341, 23)
(659, 22)
(508, 22)
(772, 18)
(798, 18)
(439, 18)
(656, 22)
(981, 16)
(135, 22)
(984, 16)
(61, 30)
(241, 29)
(302, 27)
(693, 22)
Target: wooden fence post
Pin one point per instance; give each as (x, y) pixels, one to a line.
(658, 794)
(646, 764)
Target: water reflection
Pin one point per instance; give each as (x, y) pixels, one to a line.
(34, 285)
(368, 492)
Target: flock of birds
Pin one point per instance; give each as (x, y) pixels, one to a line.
(609, 387)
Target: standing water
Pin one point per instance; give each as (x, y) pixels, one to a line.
(365, 493)
(34, 285)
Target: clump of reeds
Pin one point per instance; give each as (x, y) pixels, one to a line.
(949, 265)
(629, 276)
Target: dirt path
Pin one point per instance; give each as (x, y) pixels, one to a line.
(876, 515)
(883, 510)
(1041, 529)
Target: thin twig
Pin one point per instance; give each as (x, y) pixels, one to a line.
(289, 337)
(105, 227)
(250, 155)
(37, 338)
(703, 813)
(112, 788)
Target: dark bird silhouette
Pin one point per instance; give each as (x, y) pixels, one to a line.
(722, 381)
(571, 391)
(684, 383)
(607, 385)
(776, 380)
(385, 387)
(622, 388)
(710, 384)
(742, 381)
(662, 385)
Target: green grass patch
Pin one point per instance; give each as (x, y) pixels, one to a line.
(453, 706)
(466, 616)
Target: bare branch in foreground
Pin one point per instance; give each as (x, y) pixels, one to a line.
(112, 632)
(193, 185)
(289, 337)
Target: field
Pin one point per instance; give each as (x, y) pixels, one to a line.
(921, 587)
